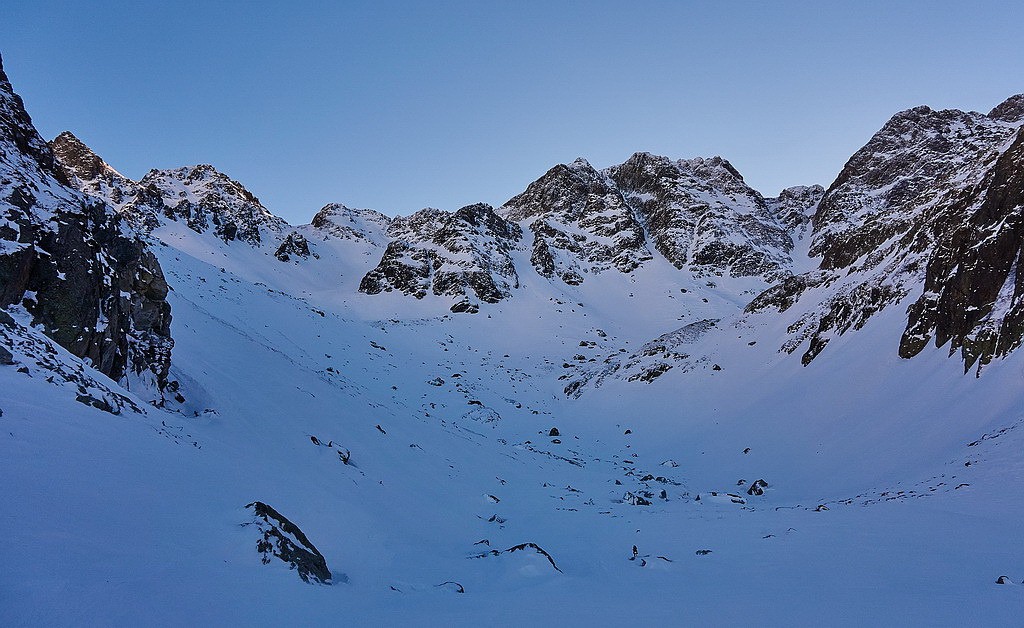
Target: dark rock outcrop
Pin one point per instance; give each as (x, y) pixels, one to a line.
(529, 545)
(71, 263)
(461, 254)
(281, 538)
(974, 289)
(88, 172)
(294, 244)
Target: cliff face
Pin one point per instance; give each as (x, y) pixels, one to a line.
(929, 210)
(73, 266)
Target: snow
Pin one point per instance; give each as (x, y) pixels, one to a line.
(413, 447)
(137, 518)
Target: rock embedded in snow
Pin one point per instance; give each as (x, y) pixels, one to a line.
(294, 244)
(282, 539)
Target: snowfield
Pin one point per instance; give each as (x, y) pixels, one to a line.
(891, 485)
(645, 395)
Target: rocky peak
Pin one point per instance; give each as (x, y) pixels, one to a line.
(205, 199)
(898, 177)
(76, 158)
(352, 224)
(701, 215)
(580, 223)
(564, 189)
(698, 213)
(1010, 110)
(464, 254)
(29, 150)
(201, 196)
(87, 171)
(795, 206)
(933, 200)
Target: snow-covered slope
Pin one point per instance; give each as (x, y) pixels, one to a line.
(633, 447)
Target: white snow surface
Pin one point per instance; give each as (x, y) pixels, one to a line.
(871, 514)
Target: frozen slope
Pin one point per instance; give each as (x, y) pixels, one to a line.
(137, 519)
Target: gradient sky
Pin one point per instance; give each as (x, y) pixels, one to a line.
(402, 105)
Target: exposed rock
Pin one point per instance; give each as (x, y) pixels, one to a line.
(199, 196)
(283, 539)
(697, 213)
(974, 288)
(580, 223)
(204, 199)
(635, 500)
(293, 244)
(82, 275)
(757, 488)
(701, 215)
(794, 207)
(933, 200)
(88, 172)
(31, 347)
(519, 548)
(460, 254)
(652, 360)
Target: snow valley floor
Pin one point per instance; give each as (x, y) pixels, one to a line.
(643, 393)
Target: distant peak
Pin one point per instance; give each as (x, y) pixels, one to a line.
(67, 136)
(76, 158)
(68, 141)
(1010, 110)
(335, 208)
(580, 162)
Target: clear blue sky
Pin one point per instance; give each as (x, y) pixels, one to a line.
(401, 105)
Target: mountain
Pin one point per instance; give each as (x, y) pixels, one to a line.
(679, 400)
(925, 215)
(698, 214)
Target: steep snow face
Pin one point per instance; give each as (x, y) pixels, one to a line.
(69, 263)
(463, 254)
(929, 209)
